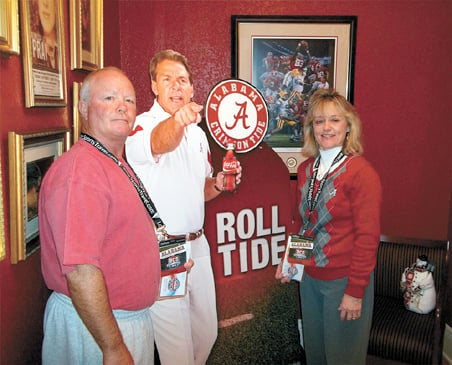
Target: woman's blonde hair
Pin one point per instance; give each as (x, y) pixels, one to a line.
(318, 100)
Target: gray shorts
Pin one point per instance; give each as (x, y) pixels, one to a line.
(67, 340)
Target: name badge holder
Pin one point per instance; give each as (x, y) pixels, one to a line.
(300, 249)
(174, 253)
(298, 254)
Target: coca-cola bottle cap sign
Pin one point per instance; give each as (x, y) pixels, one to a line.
(236, 112)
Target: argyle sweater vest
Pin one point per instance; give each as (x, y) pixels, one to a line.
(345, 223)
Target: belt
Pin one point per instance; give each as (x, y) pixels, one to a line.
(191, 236)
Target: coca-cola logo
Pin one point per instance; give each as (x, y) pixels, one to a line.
(230, 165)
(236, 112)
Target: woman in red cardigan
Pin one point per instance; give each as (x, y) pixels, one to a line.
(339, 198)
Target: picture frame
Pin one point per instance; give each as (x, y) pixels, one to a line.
(30, 156)
(9, 27)
(2, 217)
(86, 34)
(287, 58)
(76, 118)
(43, 52)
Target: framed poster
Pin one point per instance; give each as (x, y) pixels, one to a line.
(87, 40)
(76, 117)
(9, 27)
(287, 58)
(43, 53)
(30, 156)
(2, 218)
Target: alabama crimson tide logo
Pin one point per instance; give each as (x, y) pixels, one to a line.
(236, 112)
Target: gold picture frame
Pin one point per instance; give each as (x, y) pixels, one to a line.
(263, 44)
(87, 40)
(30, 156)
(9, 27)
(76, 124)
(42, 36)
(2, 219)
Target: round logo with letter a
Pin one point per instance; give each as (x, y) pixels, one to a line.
(236, 112)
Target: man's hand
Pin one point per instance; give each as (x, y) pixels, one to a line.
(189, 264)
(219, 179)
(167, 135)
(89, 295)
(118, 356)
(188, 114)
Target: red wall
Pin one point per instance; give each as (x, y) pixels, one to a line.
(400, 89)
(22, 291)
(402, 57)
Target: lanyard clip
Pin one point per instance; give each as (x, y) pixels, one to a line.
(161, 233)
(305, 227)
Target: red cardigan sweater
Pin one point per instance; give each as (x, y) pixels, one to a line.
(345, 222)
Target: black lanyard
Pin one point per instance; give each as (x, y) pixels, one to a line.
(139, 187)
(313, 203)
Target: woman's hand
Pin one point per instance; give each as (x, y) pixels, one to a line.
(280, 276)
(350, 308)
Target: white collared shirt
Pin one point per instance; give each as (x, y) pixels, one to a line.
(175, 180)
